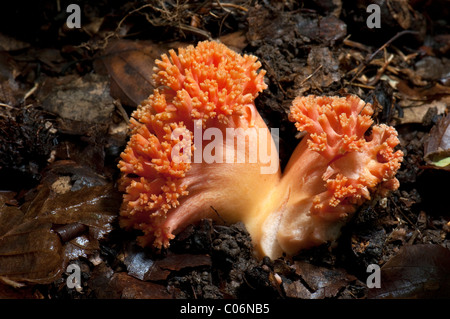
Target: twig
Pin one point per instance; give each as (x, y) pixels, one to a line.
(223, 5)
(311, 75)
(195, 30)
(404, 57)
(395, 37)
(6, 105)
(357, 45)
(370, 58)
(381, 70)
(121, 110)
(364, 86)
(30, 92)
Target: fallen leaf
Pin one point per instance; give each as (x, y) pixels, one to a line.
(130, 67)
(28, 249)
(9, 292)
(95, 207)
(322, 68)
(136, 289)
(437, 146)
(176, 262)
(421, 93)
(145, 267)
(321, 282)
(416, 112)
(235, 40)
(9, 215)
(33, 246)
(30, 252)
(296, 289)
(417, 271)
(106, 284)
(433, 68)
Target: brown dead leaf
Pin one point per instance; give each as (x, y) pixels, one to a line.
(33, 247)
(10, 216)
(106, 284)
(95, 207)
(417, 271)
(296, 289)
(176, 262)
(417, 110)
(322, 68)
(236, 40)
(144, 267)
(437, 146)
(130, 67)
(322, 282)
(422, 93)
(8, 292)
(86, 99)
(30, 252)
(432, 68)
(28, 248)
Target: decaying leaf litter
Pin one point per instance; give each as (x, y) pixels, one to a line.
(65, 98)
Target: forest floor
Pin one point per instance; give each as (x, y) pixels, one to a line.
(66, 95)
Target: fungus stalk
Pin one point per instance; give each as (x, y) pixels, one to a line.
(334, 169)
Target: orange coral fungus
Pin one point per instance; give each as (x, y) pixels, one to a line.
(169, 176)
(199, 148)
(334, 169)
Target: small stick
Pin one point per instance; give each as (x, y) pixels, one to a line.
(370, 58)
(311, 75)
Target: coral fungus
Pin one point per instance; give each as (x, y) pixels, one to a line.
(333, 170)
(171, 177)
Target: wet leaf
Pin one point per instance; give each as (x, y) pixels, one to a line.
(417, 271)
(9, 216)
(30, 252)
(321, 282)
(28, 249)
(37, 240)
(95, 207)
(437, 146)
(109, 285)
(8, 292)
